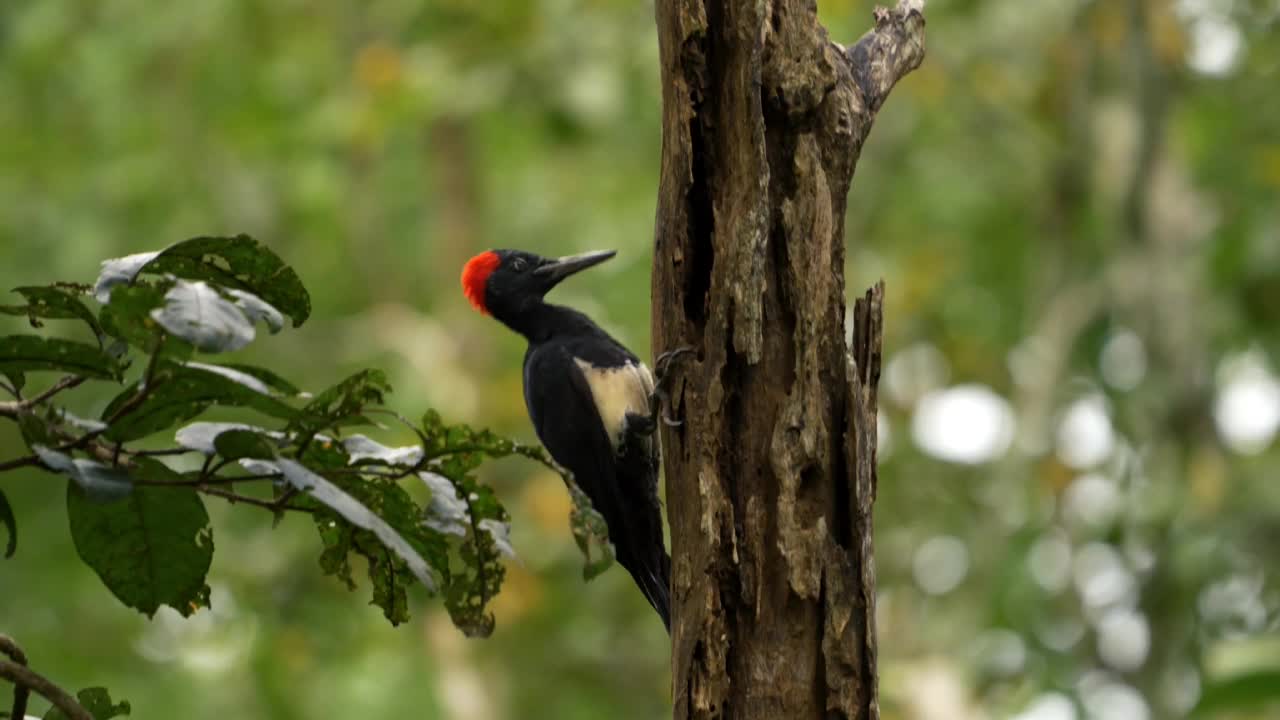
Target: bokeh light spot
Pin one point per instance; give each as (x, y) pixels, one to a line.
(968, 424)
(940, 564)
(1085, 437)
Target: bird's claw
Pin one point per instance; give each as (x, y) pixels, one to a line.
(663, 364)
(663, 401)
(660, 400)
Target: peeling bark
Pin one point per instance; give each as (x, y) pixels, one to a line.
(771, 479)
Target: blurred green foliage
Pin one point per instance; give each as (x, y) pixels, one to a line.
(1074, 205)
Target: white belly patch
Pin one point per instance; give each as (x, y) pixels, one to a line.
(618, 391)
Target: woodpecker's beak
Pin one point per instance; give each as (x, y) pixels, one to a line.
(557, 270)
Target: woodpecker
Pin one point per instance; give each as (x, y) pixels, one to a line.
(593, 403)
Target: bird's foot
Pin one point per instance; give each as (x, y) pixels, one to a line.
(662, 366)
(660, 400)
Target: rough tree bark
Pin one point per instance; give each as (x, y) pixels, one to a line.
(770, 480)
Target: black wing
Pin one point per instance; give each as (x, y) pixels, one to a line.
(621, 482)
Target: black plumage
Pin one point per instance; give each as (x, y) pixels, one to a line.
(591, 403)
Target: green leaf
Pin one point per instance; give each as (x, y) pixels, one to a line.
(119, 271)
(36, 430)
(343, 403)
(197, 313)
(322, 453)
(54, 303)
(240, 378)
(183, 391)
(238, 443)
(150, 549)
(255, 308)
(389, 574)
(500, 534)
(11, 525)
(100, 483)
(461, 505)
(389, 585)
(30, 352)
(1241, 692)
(359, 515)
(259, 467)
(98, 702)
(174, 399)
(361, 448)
(16, 378)
(458, 449)
(469, 592)
(263, 375)
(127, 316)
(337, 536)
(203, 437)
(442, 439)
(239, 263)
(447, 512)
(151, 472)
(65, 417)
(590, 532)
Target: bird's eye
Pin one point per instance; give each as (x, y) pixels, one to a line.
(518, 264)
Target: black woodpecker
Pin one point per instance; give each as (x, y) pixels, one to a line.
(592, 402)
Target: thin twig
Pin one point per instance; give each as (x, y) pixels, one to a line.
(148, 385)
(281, 503)
(11, 648)
(214, 470)
(248, 478)
(11, 390)
(235, 498)
(19, 462)
(24, 678)
(66, 383)
(21, 692)
(394, 414)
(160, 453)
(370, 470)
(210, 481)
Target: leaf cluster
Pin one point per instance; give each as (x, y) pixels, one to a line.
(416, 515)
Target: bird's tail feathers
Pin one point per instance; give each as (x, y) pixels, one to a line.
(654, 580)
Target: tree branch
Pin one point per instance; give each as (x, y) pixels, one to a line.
(25, 680)
(21, 692)
(888, 52)
(10, 648)
(19, 462)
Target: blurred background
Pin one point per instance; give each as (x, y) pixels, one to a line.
(1075, 208)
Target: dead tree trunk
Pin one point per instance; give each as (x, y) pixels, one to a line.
(771, 478)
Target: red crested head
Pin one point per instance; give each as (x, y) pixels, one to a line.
(475, 276)
(509, 284)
